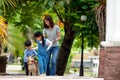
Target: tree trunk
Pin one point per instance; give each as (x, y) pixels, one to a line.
(101, 19)
(103, 2)
(3, 61)
(65, 50)
(0, 49)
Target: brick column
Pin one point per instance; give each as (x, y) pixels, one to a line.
(102, 62)
(109, 67)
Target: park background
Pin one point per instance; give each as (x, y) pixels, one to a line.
(25, 17)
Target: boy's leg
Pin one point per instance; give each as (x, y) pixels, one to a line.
(26, 68)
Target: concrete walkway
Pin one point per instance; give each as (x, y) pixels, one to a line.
(46, 78)
(13, 73)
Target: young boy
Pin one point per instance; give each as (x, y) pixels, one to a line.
(28, 52)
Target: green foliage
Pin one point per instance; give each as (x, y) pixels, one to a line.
(68, 67)
(15, 41)
(26, 17)
(89, 29)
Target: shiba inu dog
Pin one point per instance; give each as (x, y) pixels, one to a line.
(32, 66)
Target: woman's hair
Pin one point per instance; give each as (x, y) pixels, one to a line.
(28, 43)
(38, 34)
(49, 18)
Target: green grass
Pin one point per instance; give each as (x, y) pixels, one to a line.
(87, 72)
(14, 64)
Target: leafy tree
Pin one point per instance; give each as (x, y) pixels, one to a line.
(69, 13)
(27, 14)
(27, 17)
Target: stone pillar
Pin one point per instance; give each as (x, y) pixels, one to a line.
(113, 21)
(109, 67)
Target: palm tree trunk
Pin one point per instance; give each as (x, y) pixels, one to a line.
(101, 19)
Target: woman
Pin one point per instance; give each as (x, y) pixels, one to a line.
(52, 32)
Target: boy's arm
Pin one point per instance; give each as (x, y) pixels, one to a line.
(25, 56)
(49, 44)
(35, 53)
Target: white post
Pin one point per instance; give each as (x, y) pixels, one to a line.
(112, 23)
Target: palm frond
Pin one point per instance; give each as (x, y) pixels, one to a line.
(7, 4)
(3, 31)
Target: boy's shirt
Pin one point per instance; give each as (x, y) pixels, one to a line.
(28, 53)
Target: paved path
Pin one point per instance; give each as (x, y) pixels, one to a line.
(14, 74)
(14, 70)
(46, 78)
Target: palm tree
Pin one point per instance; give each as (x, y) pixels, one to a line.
(3, 32)
(3, 23)
(6, 4)
(101, 19)
(3, 35)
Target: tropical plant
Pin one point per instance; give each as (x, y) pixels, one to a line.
(15, 41)
(7, 4)
(101, 19)
(3, 32)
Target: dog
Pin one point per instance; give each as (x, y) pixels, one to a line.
(32, 66)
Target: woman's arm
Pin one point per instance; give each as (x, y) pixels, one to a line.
(58, 37)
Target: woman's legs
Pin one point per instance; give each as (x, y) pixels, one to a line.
(55, 51)
(48, 62)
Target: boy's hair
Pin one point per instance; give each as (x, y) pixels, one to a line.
(28, 43)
